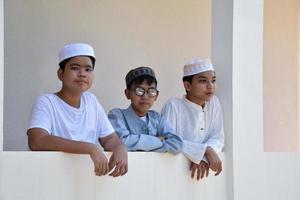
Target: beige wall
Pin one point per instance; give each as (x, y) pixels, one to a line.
(127, 33)
(151, 176)
(281, 77)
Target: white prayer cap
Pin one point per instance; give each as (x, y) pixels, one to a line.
(197, 66)
(75, 49)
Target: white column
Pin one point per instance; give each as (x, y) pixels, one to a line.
(1, 72)
(222, 26)
(237, 54)
(299, 81)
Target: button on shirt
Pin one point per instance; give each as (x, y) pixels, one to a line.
(198, 127)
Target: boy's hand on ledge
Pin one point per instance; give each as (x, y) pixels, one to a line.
(118, 161)
(161, 138)
(214, 161)
(201, 169)
(100, 161)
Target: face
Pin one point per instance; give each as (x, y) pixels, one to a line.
(142, 97)
(202, 87)
(78, 75)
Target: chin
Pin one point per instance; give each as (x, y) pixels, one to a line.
(209, 98)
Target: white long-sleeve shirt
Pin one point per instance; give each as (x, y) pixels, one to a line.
(197, 127)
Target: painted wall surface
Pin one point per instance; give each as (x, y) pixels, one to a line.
(281, 77)
(49, 175)
(1, 72)
(125, 34)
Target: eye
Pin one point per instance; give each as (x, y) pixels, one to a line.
(152, 92)
(214, 80)
(74, 68)
(89, 69)
(202, 81)
(139, 91)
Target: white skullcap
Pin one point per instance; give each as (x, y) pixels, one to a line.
(75, 49)
(197, 66)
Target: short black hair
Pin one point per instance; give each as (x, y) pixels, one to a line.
(141, 79)
(188, 78)
(63, 63)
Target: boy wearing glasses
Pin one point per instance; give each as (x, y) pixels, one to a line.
(140, 128)
(198, 118)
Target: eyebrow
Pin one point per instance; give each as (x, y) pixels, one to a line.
(76, 64)
(205, 77)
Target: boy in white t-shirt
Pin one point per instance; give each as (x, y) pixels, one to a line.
(197, 118)
(72, 120)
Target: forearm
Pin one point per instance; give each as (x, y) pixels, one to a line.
(173, 144)
(141, 142)
(111, 142)
(45, 142)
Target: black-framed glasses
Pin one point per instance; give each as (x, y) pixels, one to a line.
(139, 91)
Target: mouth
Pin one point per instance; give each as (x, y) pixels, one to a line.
(144, 103)
(81, 81)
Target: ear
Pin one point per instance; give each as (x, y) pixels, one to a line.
(187, 85)
(156, 96)
(126, 91)
(60, 74)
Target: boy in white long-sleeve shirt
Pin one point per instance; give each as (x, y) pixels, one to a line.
(197, 118)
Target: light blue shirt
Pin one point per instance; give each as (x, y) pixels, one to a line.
(138, 135)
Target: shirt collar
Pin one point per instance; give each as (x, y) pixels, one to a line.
(192, 104)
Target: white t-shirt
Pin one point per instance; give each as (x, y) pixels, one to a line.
(197, 127)
(87, 123)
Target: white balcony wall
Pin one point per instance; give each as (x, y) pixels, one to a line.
(153, 176)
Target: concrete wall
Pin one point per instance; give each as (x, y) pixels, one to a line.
(281, 77)
(152, 176)
(161, 34)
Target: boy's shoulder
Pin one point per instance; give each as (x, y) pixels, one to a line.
(88, 94)
(174, 101)
(153, 112)
(46, 97)
(116, 110)
(154, 115)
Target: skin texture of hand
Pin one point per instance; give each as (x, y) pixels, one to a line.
(214, 161)
(200, 169)
(118, 161)
(100, 161)
(40, 140)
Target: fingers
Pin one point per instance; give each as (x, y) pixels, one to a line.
(101, 169)
(119, 170)
(207, 171)
(219, 170)
(199, 173)
(202, 168)
(112, 162)
(193, 168)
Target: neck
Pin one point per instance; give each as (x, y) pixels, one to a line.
(195, 100)
(138, 113)
(69, 98)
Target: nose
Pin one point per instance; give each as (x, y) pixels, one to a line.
(210, 84)
(145, 95)
(81, 73)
